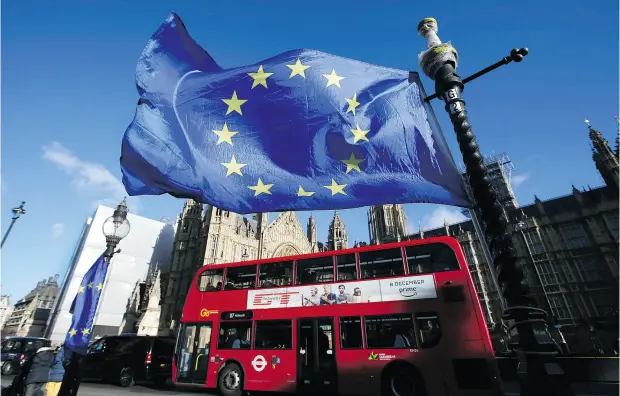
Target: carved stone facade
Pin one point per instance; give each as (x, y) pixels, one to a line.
(387, 223)
(219, 236)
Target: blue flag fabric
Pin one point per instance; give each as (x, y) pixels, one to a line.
(84, 308)
(303, 130)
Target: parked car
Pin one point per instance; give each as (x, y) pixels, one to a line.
(127, 359)
(16, 350)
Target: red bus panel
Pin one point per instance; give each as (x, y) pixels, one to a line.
(376, 320)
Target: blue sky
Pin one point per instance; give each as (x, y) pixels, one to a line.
(68, 94)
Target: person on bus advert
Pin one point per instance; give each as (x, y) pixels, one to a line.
(328, 297)
(313, 299)
(342, 297)
(357, 295)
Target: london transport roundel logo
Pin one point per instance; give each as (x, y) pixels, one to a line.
(259, 363)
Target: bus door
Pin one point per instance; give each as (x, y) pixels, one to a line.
(192, 357)
(316, 368)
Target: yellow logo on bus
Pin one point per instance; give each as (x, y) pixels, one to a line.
(205, 313)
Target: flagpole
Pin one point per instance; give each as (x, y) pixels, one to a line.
(539, 374)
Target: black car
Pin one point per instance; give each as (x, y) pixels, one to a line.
(16, 350)
(126, 359)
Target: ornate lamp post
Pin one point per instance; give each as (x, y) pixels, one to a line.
(539, 373)
(115, 228)
(18, 211)
(245, 255)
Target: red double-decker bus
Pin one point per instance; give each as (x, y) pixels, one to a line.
(396, 319)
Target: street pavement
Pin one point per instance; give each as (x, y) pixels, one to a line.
(97, 389)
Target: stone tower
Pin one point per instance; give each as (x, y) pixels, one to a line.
(311, 233)
(387, 223)
(337, 235)
(187, 248)
(605, 159)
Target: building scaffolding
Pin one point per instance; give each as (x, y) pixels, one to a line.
(500, 168)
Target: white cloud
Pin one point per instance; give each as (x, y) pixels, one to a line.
(58, 229)
(439, 215)
(89, 177)
(519, 179)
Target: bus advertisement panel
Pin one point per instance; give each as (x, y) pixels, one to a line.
(394, 319)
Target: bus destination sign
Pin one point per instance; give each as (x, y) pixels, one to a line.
(237, 315)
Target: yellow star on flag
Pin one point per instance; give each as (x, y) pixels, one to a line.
(224, 135)
(336, 188)
(72, 332)
(333, 79)
(353, 163)
(90, 285)
(359, 134)
(85, 331)
(81, 289)
(353, 103)
(233, 167)
(261, 188)
(234, 103)
(260, 77)
(303, 193)
(298, 69)
(100, 286)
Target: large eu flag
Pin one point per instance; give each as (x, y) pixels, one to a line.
(84, 307)
(300, 131)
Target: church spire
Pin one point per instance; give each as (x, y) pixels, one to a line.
(311, 234)
(337, 237)
(605, 159)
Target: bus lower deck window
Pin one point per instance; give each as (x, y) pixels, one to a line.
(350, 332)
(273, 334)
(390, 331)
(235, 335)
(429, 329)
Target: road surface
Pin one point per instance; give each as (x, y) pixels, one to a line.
(96, 389)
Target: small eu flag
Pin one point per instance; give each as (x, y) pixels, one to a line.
(84, 307)
(303, 130)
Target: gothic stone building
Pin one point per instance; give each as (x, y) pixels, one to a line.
(568, 248)
(215, 236)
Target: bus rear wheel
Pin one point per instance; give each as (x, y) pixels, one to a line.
(402, 380)
(230, 381)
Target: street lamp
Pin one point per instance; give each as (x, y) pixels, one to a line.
(115, 228)
(245, 255)
(18, 211)
(539, 373)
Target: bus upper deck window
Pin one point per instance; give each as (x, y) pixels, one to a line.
(345, 266)
(210, 280)
(243, 277)
(276, 274)
(434, 257)
(315, 270)
(381, 263)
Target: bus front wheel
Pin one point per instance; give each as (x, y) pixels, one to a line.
(402, 380)
(230, 380)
